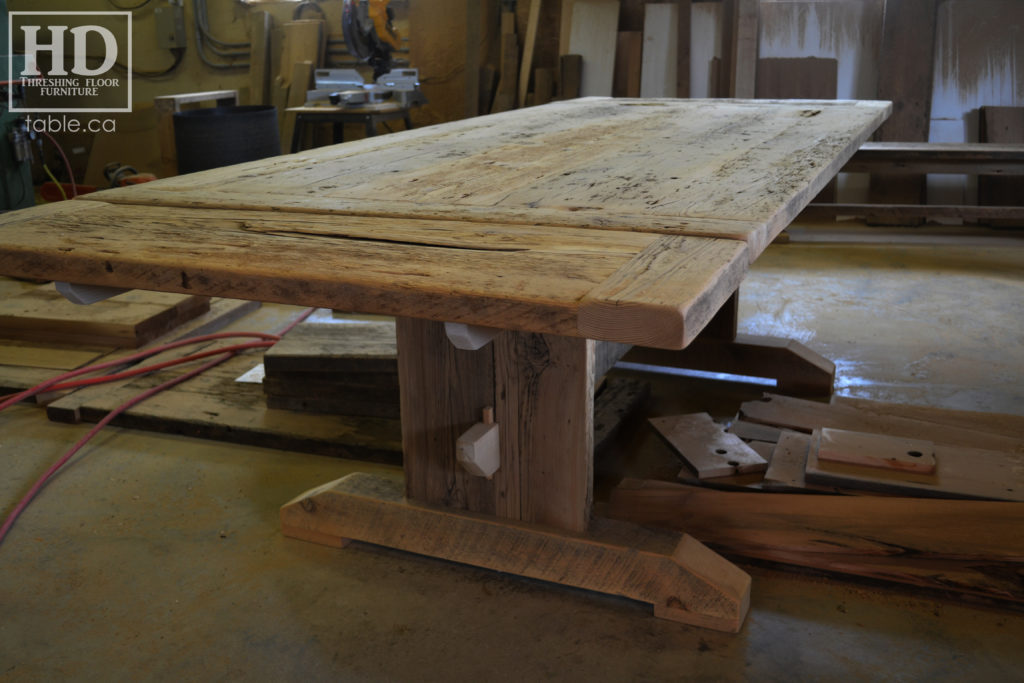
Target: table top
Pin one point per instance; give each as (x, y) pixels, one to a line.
(615, 219)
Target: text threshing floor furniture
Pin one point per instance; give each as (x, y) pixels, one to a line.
(624, 221)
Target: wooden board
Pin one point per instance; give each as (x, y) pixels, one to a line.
(971, 547)
(789, 459)
(906, 79)
(682, 579)
(628, 64)
(752, 431)
(661, 40)
(706, 448)
(130, 319)
(570, 74)
(215, 406)
(683, 48)
(993, 423)
(614, 402)
(806, 416)
(744, 48)
(593, 35)
(938, 157)
(960, 472)
(529, 43)
(492, 220)
(874, 450)
(508, 59)
(299, 84)
(1001, 125)
(315, 347)
(260, 25)
(801, 78)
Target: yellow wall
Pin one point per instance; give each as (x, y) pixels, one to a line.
(135, 141)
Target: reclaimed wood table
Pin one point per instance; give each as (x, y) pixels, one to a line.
(505, 245)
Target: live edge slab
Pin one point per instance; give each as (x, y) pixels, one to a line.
(619, 220)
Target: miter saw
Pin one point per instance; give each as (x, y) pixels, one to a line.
(370, 33)
(371, 37)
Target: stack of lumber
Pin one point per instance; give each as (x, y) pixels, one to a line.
(349, 367)
(219, 405)
(39, 313)
(893, 462)
(331, 368)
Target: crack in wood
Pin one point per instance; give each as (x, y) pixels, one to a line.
(375, 240)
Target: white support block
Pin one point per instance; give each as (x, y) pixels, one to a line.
(470, 337)
(478, 450)
(87, 294)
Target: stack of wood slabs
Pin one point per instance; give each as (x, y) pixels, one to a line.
(852, 487)
(340, 369)
(40, 313)
(217, 406)
(610, 219)
(351, 368)
(974, 455)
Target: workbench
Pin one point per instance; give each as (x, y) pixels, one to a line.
(512, 249)
(370, 115)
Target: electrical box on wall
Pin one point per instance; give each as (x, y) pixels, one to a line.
(170, 26)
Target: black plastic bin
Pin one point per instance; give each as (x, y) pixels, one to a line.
(221, 136)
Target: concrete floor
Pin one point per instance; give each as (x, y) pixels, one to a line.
(159, 557)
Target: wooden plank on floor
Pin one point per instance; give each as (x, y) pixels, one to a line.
(660, 46)
(706, 448)
(993, 423)
(806, 416)
(960, 472)
(875, 450)
(949, 545)
(215, 406)
(593, 36)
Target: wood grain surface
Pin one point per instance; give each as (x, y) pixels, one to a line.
(534, 220)
(680, 577)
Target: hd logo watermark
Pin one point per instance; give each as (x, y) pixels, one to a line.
(75, 62)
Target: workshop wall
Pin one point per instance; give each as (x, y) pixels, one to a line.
(978, 58)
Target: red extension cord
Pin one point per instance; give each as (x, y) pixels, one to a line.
(65, 381)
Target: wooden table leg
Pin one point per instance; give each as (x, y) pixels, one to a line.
(533, 516)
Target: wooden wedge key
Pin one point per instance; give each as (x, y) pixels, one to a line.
(683, 579)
